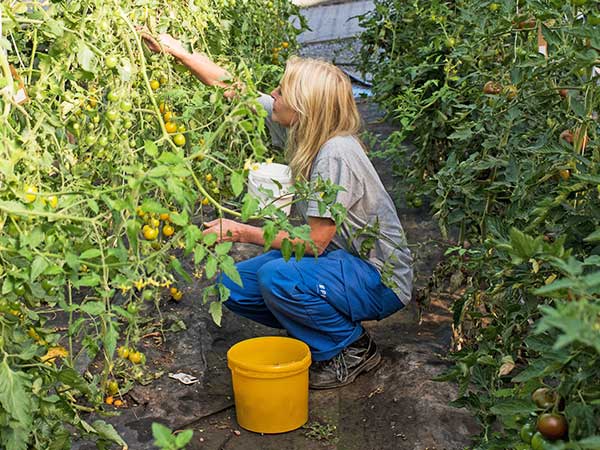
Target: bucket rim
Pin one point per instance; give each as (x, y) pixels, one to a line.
(287, 368)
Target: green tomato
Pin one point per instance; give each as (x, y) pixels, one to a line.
(132, 308)
(112, 115)
(90, 139)
(148, 295)
(112, 96)
(103, 141)
(527, 432)
(111, 61)
(126, 106)
(19, 290)
(538, 442)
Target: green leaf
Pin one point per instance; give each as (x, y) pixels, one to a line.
(237, 183)
(209, 239)
(38, 266)
(216, 311)
(14, 394)
(229, 268)
(162, 435)
(223, 248)
(211, 267)
(72, 378)
(594, 237)
(133, 229)
(299, 250)
(286, 249)
(249, 207)
(89, 280)
(107, 431)
(199, 254)
(86, 58)
(159, 171)
(61, 440)
(590, 443)
(110, 338)
(184, 438)
(151, 148)
(513, 407)
(176, 265)
(152, 206)
(193, 234)
(93, 308)
(90, 254)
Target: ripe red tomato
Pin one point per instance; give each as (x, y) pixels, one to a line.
(552, 426)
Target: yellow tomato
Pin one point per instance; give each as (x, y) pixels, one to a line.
(154, 223)
(181, 128)
(150, 233)
(112, 387)
(30, 193)
(161, 108)
(168, 116)
(177, 296)
(165, 217)
(285, 44)
(123, 352)
(170, 127)
(168, 230)
(205, 201)
(117, 403)
(53, 201)
(179, 140)
(154, 85)
(109, 400)
(208, 177)
(173, 290)
(135, 357)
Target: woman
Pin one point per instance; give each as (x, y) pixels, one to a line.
(323, 300)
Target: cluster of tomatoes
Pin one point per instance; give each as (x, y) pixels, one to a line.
(277, 50)
(549, 426)
(134, 356)
(112, 389)
(176, 294)
(156, 225)
(171, 126)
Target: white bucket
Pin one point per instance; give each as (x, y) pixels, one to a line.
(263, 177)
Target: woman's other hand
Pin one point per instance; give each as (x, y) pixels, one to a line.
(227, 230)
(164, 42)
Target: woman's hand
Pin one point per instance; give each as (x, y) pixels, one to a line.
(164, 42)
(227, 230)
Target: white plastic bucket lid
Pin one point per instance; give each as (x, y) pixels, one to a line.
(272, 171)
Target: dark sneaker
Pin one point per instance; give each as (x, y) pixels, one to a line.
(360, 356)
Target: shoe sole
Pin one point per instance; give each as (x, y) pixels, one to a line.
(370, 364)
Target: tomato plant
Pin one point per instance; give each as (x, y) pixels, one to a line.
(86, 153)
(504, 140)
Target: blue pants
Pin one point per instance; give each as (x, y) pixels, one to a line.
(318, 301)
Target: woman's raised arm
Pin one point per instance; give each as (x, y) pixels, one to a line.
(199, 64)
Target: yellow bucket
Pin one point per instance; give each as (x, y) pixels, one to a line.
(270, 383)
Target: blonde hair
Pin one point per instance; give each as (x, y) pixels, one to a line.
(321, 95)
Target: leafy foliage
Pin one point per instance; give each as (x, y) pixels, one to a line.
(108, 158)
(504, 141)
